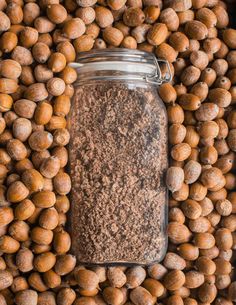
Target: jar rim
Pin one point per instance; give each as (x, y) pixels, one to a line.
(115, 54)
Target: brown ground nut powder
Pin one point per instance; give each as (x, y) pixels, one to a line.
(118, 156)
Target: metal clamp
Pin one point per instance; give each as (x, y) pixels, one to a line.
(158, 78)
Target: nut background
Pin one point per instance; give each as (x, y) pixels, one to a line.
(38, 39)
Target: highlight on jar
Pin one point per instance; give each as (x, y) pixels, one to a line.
(118, 158)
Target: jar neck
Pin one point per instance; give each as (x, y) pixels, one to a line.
(123, 64)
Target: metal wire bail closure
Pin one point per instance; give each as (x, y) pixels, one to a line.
(158, 78)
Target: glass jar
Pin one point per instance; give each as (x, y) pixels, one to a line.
(118, 156)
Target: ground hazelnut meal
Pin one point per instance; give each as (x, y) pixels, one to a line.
(118, 156)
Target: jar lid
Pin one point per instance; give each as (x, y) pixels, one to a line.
(142, 64)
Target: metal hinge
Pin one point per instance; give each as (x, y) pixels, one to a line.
(158, 78)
